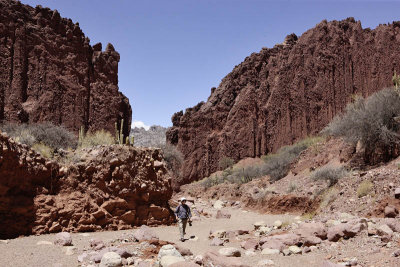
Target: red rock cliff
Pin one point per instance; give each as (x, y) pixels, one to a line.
(285, 93)
(49, 72)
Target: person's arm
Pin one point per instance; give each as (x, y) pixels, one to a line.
(190, 214)
(177, 211)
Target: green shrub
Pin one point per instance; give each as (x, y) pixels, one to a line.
(225, 163)
(364, 188)
(97, 138)
(56, 137)
(275, 165)
(330, 174)
(371, 121)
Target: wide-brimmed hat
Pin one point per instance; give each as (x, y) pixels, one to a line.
(183, 198)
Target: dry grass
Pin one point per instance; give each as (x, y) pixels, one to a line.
(44, 150)
(97, 138)
(364, 188)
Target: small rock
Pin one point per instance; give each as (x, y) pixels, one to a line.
(83, 257)
(391, 211)
(230, 252)
(397, 193)
(198, 259)
(216, 242)
(219, 234)
(264, 230)
(63, 239)
(269, 251)
(277, 224)
(294, 250)
(111, 259)
(384, 230)
(396, 253)
(259, 224)
(168, 250)
(286, 252)
(306, 250)
(219, 204)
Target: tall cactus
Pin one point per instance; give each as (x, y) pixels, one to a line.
(119, 133)
(81, 135)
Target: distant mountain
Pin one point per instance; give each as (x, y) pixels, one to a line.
(154, 137)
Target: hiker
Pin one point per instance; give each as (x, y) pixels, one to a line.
(183, 214)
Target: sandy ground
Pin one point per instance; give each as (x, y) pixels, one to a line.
(25, 251)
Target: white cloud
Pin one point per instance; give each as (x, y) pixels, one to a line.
(140, 124)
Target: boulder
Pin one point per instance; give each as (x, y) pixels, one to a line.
(315, 229)
(230, 252)
(391, 211)
(168, 260)
(111, 259)
(251, 244)
(144, 233)
(384, 230)
(63, 239)
(168, 250)
(183, 250)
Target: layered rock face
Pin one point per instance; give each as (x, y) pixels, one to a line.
(108, 187)
(283, 94)
(49, 72)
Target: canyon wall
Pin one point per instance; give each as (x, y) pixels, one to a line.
(283, 94)
(50, 72)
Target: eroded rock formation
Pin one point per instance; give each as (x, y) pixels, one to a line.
(50, 72)
(285, 93)
(108, 187)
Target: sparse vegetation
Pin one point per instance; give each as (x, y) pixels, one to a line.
(225, 163)
(292, 187)
(44, 150)
(364, 188)
(101, 137)
(308, 216)
(55, 137)
(173, 157)
(328, 173)
(328, 197)
(275, 165)
(373, 122)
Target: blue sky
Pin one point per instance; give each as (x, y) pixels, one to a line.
(174, 51)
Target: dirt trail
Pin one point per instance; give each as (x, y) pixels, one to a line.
(26, 252)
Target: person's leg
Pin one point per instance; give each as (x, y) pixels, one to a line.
(184, 223)
(181, 231)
